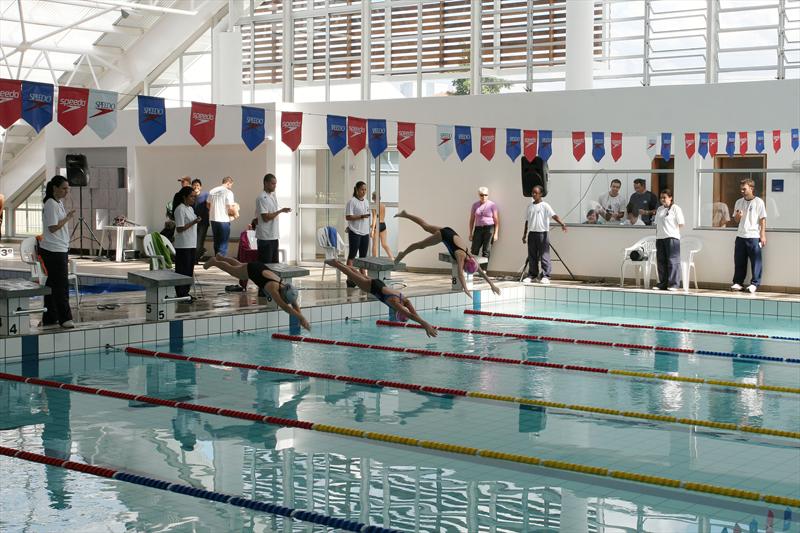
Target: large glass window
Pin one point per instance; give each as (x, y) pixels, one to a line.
(188, 78)
(28, 214)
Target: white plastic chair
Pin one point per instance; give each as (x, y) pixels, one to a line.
(331, 252)
(27, 250)
(644, 268)
(157, 262)
(689, 247)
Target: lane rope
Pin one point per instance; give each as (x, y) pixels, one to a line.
(188, 490)
(557, 366)
(588, 342)
(416, 443)
(634, 326)
(469, 394)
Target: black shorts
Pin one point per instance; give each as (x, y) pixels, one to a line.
(254, 272)
(357, 244)
(381, 227)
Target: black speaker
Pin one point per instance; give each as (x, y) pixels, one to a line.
(534, 173)
(77, 170)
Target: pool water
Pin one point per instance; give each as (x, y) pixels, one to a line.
(413, 488)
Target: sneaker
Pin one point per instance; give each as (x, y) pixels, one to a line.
(545, 281)
(656, 288)
(736, 287)
(69, 324)
(751, 288)
(673, 289)
(233, 288)
(528, 280)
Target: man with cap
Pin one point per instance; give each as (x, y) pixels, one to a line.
(484, 224)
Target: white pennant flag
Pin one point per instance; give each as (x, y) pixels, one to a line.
(102, 117)
(444, 141)
(652, 143)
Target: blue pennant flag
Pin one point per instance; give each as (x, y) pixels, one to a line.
(598, 145)
(795, 140)
(513, 143)
(545, 144)
(730, 146)
(463, 141)
(337, 133)
(152, 117)
(253, 126)
(702, 147)
(376, 127)
(759, 141)
(37, 104)
(666, 146)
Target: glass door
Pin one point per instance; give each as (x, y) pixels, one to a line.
(384, 182)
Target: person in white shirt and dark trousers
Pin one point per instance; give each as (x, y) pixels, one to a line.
(221, 210)
(669, 221)
(186, 221)
(54, 249)
(537, 235)
(267, 230)
(751, 215)
(357, 214)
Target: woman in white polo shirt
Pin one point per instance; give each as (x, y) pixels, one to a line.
(669, 221)
(185, 236)
(357, 214)
(54, 248)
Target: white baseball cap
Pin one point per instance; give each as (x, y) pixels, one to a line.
(483, 190)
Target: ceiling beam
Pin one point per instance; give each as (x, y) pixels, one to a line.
(21, 47)
(74, 24)
(97, 27)
(132, 6)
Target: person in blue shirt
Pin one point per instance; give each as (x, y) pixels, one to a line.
(201, 210)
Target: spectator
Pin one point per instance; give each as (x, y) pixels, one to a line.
(357, 214)
(221, 211)
(201, 210)
(537, 235)
(669, 221)
(720, 214)
(632, 217)
(644, 201)
(592, 218)
(484, 224)
(54, 249)
(185, 236)
(751, 215)
(611, 206)
(379, 223)
(185, 181)
(246, 253)
(267, 230)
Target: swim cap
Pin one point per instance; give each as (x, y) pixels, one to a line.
(289, 294)
(401, 316)
(470, 265)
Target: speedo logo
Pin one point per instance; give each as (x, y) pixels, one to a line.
(71, 104)
(39, 97)
(255, 120)
(202, 118)
(153, 111)
(7, 95)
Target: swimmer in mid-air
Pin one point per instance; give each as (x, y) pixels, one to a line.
(455, 246)
(284, 294)
(392, 298)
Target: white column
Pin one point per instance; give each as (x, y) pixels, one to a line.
(475, 66)
(366, 69)
(227, 65)
(288, 56)
(580, 40)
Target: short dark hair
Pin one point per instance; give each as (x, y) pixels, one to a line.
(631, 208)
(590, 212)
(640, 181)
(541, 189)
(227, 179)
(197, 181)
(269, 177)
(615, 180)
(668, 192)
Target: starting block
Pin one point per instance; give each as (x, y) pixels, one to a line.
(159, 288)
(378, 267)
(454, 280)
(15, 296)
(285, 272)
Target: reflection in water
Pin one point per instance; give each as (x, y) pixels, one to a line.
(57, 442)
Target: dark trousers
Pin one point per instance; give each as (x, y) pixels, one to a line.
(482, 238)
(668, 262)
(268, 251)
(538, 252)
(357, 244)
(57, 302)
(185, 259)
(222, 232)
(744, 250)
(202, 231)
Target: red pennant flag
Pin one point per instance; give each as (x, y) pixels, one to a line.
(713, 143)
(578, 144)
(776, 140)
(356, 134)
(10, 102)
(689, 141)
(742, 142)
(73, 108)
(291, 128)
(406, 133)
(616, 145)
(202, 122)
(530, 142)
(488, 137)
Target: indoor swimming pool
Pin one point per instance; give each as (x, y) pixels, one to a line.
(557, 416)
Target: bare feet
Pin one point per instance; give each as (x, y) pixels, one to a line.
(210, 263)
(399, 257)
(401, 214)
(332, 262)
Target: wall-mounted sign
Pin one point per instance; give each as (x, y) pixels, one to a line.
(777, 185)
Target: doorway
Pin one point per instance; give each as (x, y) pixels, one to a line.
(726, 184)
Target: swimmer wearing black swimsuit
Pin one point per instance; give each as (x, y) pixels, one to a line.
(376, 289)
(448, 235)
(255, 271)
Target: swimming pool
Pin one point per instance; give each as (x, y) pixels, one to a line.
(583, 415)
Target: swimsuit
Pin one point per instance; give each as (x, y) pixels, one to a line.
(448, 234)
(255, 271)
(381, 227)
(376, 289)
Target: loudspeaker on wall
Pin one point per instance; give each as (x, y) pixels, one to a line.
(534, 173)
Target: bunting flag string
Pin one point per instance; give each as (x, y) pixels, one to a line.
(776, 140)
(377, 136)
(703, 146)
(795, 139)
(202, 122)
(545, 144)
(463, 141)
(759, 141)
(337, 133)
(598, 145)
(10, 102)
(616, 145)
(742, 142)
(37, 104)
(291, 128)
(530, 143)
(488, 137)
(253, 126)
(102, 112)
(578, 144)
(651, 145)
(356, 134)
(152, 117)
(73, 105)
(713, 143)
(513, 143)
(688, 141)
(444, 141)
(666, 146)
(406, 138)
(730, 145)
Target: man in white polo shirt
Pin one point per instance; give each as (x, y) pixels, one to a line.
(267, 230)
(221, 210)
(751, 214)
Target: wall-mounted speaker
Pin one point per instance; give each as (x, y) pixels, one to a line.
(534, 173)
(77, 170)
